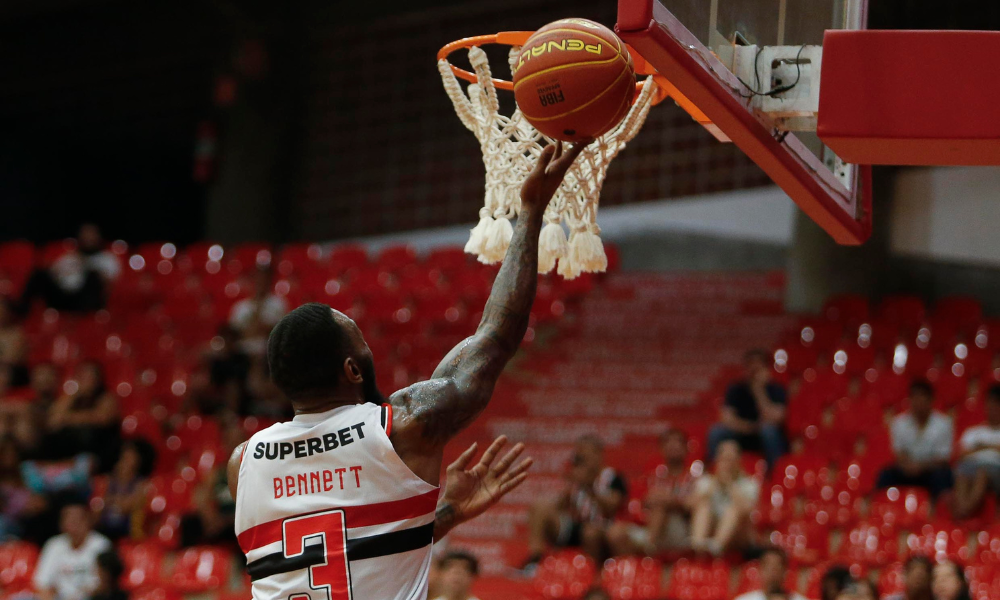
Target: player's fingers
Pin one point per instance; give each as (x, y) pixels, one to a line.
(463, 459)
(559, 151)
(568, 158)
(506, 487)
(509, 458)
(521, 467)
(492, 451)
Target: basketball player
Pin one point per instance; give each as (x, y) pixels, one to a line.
(340, 502)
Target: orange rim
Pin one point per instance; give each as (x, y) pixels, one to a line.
(518, 38)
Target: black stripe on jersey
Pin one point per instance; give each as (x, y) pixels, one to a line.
(383, 417)
(357, 549)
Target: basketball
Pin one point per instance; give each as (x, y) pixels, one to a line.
(574, 80)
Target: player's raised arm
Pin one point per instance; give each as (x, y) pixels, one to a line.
(462, 384)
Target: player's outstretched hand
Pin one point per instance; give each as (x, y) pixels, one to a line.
(548, 174)
(470, 491)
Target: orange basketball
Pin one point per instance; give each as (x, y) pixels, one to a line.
(574, 80)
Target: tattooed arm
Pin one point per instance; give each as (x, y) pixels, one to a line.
(427, 414)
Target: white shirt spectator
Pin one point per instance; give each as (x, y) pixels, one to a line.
(70, 270)
(274, 307)
(71, 572)
(930, 443)
(760, 595)
(978, 436)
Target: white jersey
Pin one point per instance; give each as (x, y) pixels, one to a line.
(326, 510)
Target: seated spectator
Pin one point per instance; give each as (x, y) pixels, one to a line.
(67, 566)
(75, 281)
(922, 442)
(916, 580)
(223, 383)
(582, 513)
(120, 514)
(87, 420)
(773, 572)
(457, 572)
(28, 411)
(19, 505)
(754, 412)
(666, 505)
(214, 518)
(978, 468)
(836, 579)
(254, 317)
(13, 348)
(722, 504)
(109, 573)
(948, 582)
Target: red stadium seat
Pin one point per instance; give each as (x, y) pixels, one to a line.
(848, 309)
(699, 581)
(245, 258)
(564, 575)
(395, 258)
(901, 508)
(201, 569)
(940, 541)
(449, 260)
(906, 312)
(345, 258)
(143, 566)
(869, 544)
(17, 565)
(963, 312)
(156, 594)
(300, 260)
(632, 578)
(806, 542)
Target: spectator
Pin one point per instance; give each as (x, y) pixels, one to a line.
(836, 579)
(754, 412)
(722, 504)
(120, 512)
(86, 420)
(922, 441)
(67, 567)
(109, 572)
(226, 387)
(916, 580)
(76, 280)
(978, 469)
(773, 572)
(667, 504)
(862, 589)
(596, 594)
(13, 348)
(457, 572)
(948, 582)
(214, 518)
(254, 317)
(28, 413)
(19, 505)
(581, 515)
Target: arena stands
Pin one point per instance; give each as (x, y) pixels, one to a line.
(621, 357)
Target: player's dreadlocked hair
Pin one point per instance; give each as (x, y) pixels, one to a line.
(306, 352)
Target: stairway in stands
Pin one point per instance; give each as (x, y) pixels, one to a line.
(638, 353)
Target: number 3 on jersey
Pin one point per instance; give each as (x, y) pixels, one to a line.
(332, 575)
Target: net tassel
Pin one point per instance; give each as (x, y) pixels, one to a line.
(498, 238)
(586, 251)
(552, 245)
(477, 235)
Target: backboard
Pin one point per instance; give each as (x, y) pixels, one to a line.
(695, 45)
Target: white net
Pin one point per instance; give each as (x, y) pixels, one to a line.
(511, 147)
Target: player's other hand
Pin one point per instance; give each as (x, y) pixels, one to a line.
(548, 173)
(471, 491)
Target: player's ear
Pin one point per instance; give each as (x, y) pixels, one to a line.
(352, 371)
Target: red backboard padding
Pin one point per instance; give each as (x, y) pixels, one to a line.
(911, 97)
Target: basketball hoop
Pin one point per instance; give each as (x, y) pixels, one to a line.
(511, 147)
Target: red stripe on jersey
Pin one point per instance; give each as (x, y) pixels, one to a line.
(365, 515)
(388, 419)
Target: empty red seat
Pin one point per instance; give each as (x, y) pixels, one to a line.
(964, 312)
(395, 257)
(347, 257)
(143, 565)
(846, 309)
(300, 259)
(449, 260)
(201, 569)
(17, 565)
(564, 575)
(906, 312)
(870, 544)
(941, 541)
(901, 508)
(632, 578)
(695, 580)
(805, 542)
